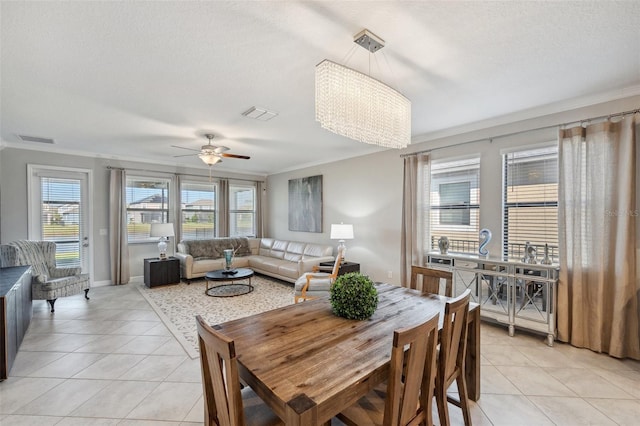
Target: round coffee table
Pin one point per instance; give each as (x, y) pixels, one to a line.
(229, 286)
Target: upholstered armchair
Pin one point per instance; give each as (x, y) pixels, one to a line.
(312, 285)
(8, 256)
(48, 281)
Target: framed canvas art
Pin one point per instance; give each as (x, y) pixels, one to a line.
(305, 204)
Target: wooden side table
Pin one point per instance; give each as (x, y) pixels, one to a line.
(346, 267)
(160, 272)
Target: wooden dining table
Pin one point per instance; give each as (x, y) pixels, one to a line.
(308, 364)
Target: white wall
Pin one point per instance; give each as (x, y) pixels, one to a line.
(367, 191)
(364, 191)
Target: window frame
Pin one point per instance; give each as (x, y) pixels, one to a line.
(507, 207)
(448, 167)
(215, 184)
(232, 211)
(165, 210)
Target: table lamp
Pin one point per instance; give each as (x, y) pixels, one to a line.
(342, 232)
(164, 231)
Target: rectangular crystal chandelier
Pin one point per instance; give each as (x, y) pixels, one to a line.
(352, 104)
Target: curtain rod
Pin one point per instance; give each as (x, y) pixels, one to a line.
(177, 174)
(504, 135)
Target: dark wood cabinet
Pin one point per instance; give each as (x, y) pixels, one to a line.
(161, 272)
(346, 267)
(16, 311)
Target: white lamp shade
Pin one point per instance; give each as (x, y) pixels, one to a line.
(162, 230)
(341, 231)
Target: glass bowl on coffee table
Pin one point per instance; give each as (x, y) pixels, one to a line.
(225, 283)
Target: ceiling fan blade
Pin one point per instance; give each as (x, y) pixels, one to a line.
(182, 147)
(185, 155)
(243, 157)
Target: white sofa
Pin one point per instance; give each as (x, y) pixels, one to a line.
(285, 260)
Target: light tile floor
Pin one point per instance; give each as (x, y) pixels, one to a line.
(111, 361)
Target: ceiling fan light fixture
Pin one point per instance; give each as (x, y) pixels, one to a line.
(211, 154)
(209, 158)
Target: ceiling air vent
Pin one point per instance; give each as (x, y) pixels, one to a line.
(35, 139)
(259, 114)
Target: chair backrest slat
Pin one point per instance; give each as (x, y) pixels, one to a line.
(220, 379)
(431, 279)
(411, 374)
(454, 336)
(336, 265)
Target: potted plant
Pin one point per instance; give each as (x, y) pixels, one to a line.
(353, 296)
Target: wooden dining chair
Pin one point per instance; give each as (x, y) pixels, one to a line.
(453, 348)
(312, 285)
(407, 397)
(431, 280)
(225, 403)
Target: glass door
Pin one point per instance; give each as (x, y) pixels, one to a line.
(59, 212)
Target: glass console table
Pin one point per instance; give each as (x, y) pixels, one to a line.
(509, 291)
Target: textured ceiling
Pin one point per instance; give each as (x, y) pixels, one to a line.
(129, 79)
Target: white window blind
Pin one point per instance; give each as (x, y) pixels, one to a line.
(455, 204)
(242, 209)
(147, 203)
(61, 218)
(530, 200)
(198, 210)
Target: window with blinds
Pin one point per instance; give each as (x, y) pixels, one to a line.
(147, 203)
(198, 210)
(242, 209)
(61, 218)
(455, 204)
(530, 200)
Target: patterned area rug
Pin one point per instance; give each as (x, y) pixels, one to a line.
(178, 305)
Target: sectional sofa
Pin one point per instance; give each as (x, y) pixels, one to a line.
(285, 260)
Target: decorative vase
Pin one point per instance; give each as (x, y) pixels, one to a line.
(228, 258)
(485, 237)
(529, 253)
(443, 245)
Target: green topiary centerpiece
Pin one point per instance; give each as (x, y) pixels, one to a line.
(353, 296)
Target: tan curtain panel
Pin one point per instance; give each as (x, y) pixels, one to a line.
(597, 214)
(415, 208)
(223, 208)
(261, 193)
(118, 240)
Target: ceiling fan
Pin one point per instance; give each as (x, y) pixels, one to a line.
(211, 154)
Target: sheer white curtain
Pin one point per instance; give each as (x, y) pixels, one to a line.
(118, 243)
(598, 214)
(415, 211)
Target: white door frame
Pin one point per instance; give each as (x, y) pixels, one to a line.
(34, 202)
